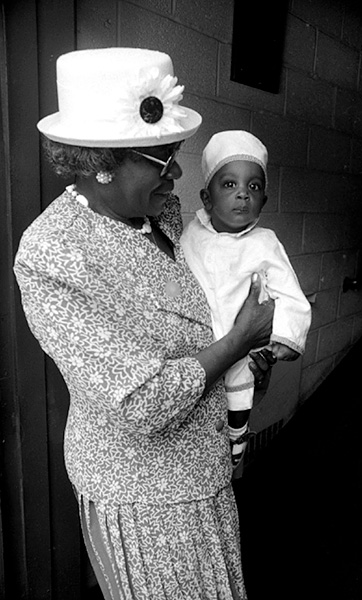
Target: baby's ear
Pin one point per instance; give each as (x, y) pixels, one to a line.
(265, 199)
(205, 198)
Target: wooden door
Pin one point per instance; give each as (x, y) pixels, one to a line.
(41, 550)
(42, 547)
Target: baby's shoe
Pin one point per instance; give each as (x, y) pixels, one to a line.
(238, 445)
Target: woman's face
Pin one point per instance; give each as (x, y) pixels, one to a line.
(139, 188)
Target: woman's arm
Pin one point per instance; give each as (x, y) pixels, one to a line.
(104, 348)
(252, 329)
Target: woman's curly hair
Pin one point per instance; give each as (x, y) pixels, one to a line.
(67, 160)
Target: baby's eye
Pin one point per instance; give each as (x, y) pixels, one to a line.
(229, 184)
(255, 187)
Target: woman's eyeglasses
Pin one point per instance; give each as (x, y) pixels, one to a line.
(166, 165)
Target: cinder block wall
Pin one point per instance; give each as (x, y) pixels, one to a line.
(312, 128)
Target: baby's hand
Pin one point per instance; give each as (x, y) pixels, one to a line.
(282, 352)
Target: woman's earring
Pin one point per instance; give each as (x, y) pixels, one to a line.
(104, 177)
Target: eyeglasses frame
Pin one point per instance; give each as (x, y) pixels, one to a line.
(166, 165)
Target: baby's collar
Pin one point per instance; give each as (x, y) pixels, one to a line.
(205, 220)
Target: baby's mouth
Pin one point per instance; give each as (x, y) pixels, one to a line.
(242, 210)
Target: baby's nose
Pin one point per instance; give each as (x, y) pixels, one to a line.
(243, 193)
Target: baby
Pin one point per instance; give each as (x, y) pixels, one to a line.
(224, 247)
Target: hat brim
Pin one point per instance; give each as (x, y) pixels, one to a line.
(54, 129)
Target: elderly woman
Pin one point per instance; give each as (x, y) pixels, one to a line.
(106, 291)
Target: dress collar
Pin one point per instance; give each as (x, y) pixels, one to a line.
(205, 220)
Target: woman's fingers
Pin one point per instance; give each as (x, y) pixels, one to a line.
(254, 320)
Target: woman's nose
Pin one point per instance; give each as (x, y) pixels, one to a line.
(174, 171)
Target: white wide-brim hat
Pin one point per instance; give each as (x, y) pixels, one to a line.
(227, 146)
(118, 97)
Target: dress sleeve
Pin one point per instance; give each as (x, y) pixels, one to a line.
(292, 315)
(102, 348)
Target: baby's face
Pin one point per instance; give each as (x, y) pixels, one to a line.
(235, 196)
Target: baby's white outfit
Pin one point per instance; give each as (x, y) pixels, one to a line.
(223, 263)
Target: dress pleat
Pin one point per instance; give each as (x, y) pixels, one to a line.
(101, 562)
(186, 551)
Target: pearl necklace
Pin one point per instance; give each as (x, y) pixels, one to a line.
(76, 196)
(146, 227)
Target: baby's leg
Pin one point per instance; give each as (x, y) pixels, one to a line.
(238, 418)
(239, 433)
(239, 386)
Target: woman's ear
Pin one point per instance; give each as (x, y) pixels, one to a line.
(205, 198)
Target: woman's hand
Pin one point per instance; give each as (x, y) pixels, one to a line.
(259, 320)
(252, 329)
(255, 320)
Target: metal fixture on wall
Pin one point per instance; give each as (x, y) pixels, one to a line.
(350, 283)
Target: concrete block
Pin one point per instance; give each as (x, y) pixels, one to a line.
(357, 328)
(341, 355)
(323, 233)
(288, 228)
(353, 230)
(217, 116)
(335, 267)
(348, 116)
(272, 190)
(327, 16)
(96, 25)
(337, 62)
(343, 334)
(186, 218)
(356, 159)
(307, 268)
(309, 356)
(313, 376)
(326, 346)
(299, 45)
(158, 6)
(214, 17)
(350, 303)
(190, 184)
(281, 398)
(286, 140)
(329, 150)
(304, 190)
(309, 99)
(334, 338)
(352, 25)
(344, 192)
(325, 308)
(145, 29)
(244, 95)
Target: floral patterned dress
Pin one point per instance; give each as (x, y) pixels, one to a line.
(146, 449)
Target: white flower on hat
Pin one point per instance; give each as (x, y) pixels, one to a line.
(151, 106)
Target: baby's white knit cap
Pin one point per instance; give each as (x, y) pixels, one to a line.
(226, 146)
